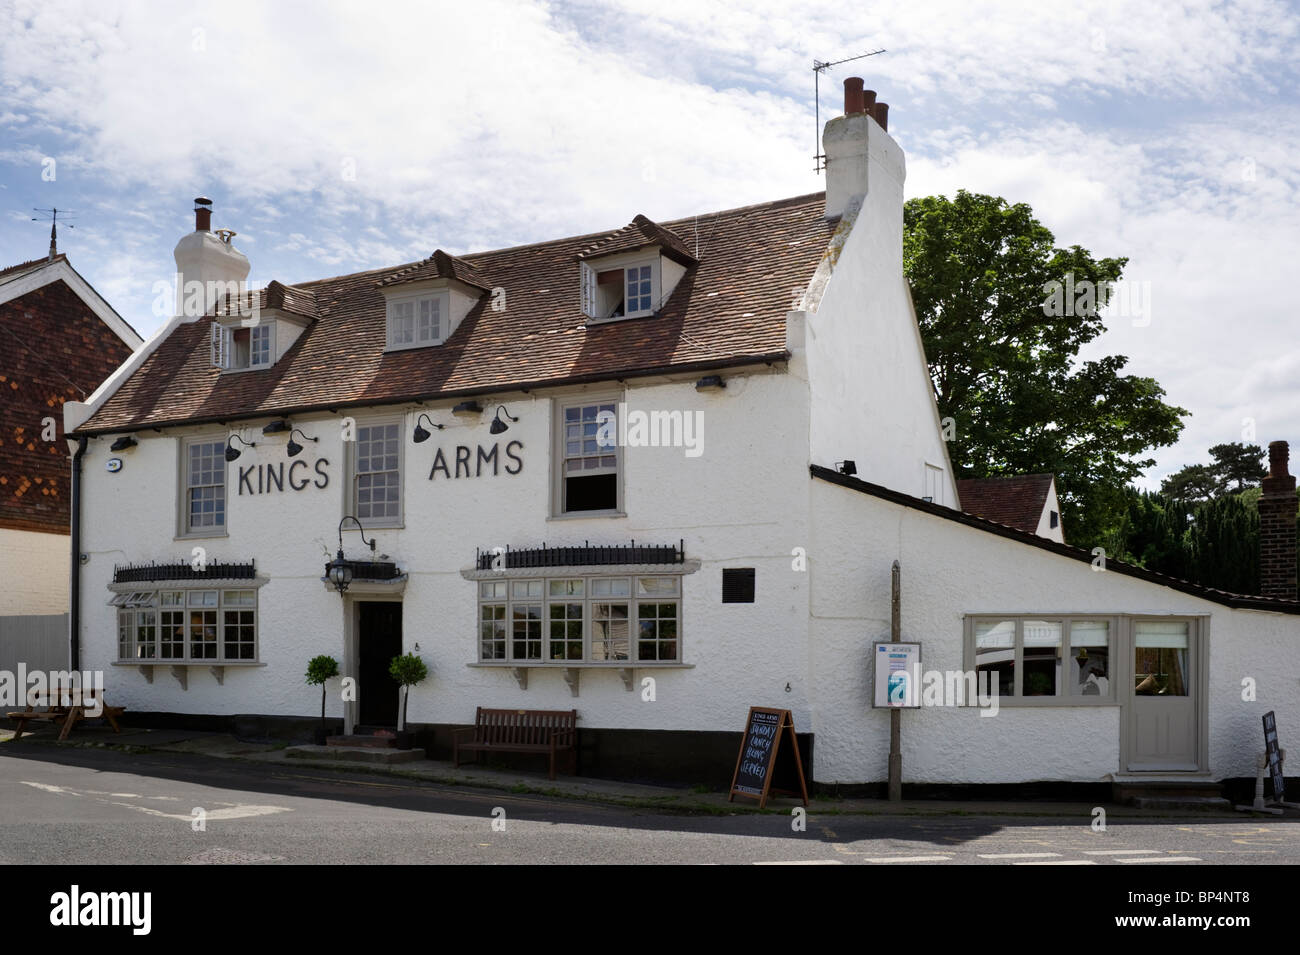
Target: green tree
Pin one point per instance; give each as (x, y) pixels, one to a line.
(320, 669)
(1195, 482)
(407, 670)
(1003, 313)
(1242, 463)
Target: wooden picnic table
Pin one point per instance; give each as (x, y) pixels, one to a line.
(64, 707)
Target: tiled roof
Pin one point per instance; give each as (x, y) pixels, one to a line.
(440, 265)
(286, 298)
(22, 268)
(1227, 599)
(1015, 501)
(728, 310)
(638, 234)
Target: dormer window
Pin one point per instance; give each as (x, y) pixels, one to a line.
(626, 292)
(418, 319)
(239, 348)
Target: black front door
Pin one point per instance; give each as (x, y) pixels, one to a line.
(380, 635)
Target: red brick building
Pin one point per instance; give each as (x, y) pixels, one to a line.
(58, 341)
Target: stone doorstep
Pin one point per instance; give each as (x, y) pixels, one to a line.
(357, 742)
(355, 754)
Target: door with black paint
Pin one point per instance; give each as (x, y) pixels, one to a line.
(380, 633)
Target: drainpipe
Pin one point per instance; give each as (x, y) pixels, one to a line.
(74, 584)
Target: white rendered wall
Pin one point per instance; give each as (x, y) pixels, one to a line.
(34, 567)
(738, 504)
(949, 570)
(872, 400)
(1045, 528)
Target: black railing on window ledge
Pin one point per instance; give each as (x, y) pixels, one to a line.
(370, 569)
(183, 570)
(600, 555)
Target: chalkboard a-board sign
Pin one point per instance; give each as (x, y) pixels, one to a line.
(1274, 756)
(764, 730)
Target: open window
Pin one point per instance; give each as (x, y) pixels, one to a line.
(625, 292)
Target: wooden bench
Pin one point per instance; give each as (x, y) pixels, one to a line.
(68, 706)
(521, 731)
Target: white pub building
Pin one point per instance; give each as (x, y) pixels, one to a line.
(658, 474)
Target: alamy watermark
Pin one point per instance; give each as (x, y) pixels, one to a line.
(83, 688)
(658, 428)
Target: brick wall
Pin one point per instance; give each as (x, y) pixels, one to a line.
(53, 349)
(1277, 527)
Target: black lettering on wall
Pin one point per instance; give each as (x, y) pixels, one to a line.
(516, 458)
(462, 458)
(484, 456)
(275, 475)
(439, 463)
(244, 478)
(324, 478)
(294, 483)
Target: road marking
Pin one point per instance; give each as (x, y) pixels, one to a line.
(909, 859)
(1018, 855)
(1163, 859)
(1121, 852)
(805, 862)
(1059, 862)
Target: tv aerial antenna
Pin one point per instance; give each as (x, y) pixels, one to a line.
(819, 158)
(52, 216)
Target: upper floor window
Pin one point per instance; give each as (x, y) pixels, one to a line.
(417, 319)
(240, 347)
(377, 474)
(588, 459)
(203, 467)
(627, 292)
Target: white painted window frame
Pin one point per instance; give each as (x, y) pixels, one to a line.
(183, 529)
(350, 506)
(1117, 628)
(588, 600)
(441, 296)
(129, 614)
(559, 457)
(623, 262)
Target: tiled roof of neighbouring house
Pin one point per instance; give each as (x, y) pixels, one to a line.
(729, 309)
(1015, 501)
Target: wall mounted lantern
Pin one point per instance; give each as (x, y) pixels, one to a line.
(421, 433)
(277, 427)
(710, 383)
(339, 571)
(124, 443)
(232, 452)
(467, 409)
(497, 424)
(294, 448)
(847, 468)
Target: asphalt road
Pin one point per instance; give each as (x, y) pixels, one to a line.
(81, 806)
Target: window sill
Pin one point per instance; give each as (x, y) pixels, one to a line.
(180, 668)
(236, 371)
(413, 345)
(581, 515)
(1054, 701)
(618, 318)
(201, 536)
(571, 670)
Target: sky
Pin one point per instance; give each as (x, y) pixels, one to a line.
(337, 136)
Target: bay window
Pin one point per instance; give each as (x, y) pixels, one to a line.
(184, 626)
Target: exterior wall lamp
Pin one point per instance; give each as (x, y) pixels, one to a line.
(467, 409)
(422, 433)
(277, 427)
(294, 448)
(497, 424)
(232, 452)
(340, 572)
(847, 468)
(124, 443)
(710, 383)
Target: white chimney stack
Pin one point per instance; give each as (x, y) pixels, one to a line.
(862, 159)
(208, 266)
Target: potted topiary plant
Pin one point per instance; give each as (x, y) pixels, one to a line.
(407, 670)
(320, 669)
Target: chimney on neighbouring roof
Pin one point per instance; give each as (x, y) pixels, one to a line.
(862, 158)
(1277, 532)
(211, 261)
(202, 214)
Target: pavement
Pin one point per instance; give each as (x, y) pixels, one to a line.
(223, 746)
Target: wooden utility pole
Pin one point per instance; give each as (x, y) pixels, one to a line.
(895, 713)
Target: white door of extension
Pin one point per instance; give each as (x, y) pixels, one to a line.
(1164, 708)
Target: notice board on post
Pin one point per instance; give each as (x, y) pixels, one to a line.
(759, 747)
(897, 675)
(1274, 756)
